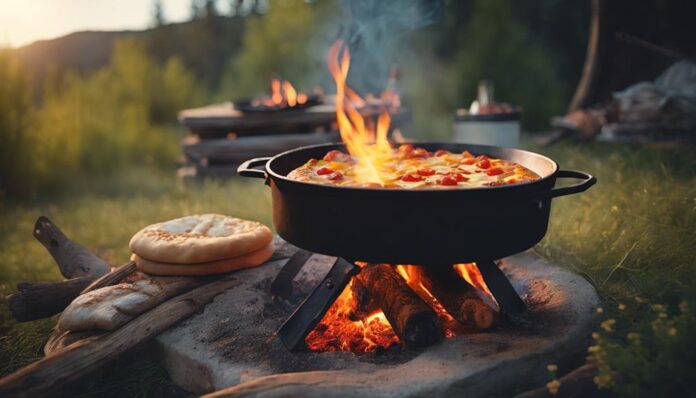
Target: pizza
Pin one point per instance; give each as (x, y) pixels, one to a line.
(412, 167)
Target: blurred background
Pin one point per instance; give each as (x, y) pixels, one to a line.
(92, 102)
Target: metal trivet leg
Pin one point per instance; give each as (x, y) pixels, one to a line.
(501, 288)
(282, 284)
(313, 308)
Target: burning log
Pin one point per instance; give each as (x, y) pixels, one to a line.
(362, 302)
(413, 321)
(459, 298)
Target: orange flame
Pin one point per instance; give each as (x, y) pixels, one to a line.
(364, 141)
(471, 274)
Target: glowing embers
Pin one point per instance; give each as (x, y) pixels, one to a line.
(386, 305)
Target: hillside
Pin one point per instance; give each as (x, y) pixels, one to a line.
(204, 45)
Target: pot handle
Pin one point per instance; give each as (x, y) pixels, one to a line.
(247, 169)
(588, 180)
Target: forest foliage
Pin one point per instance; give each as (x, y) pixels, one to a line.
(90, 123)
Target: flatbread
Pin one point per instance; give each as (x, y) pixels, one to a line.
(208, 268)
(110, 307)
(200, 239)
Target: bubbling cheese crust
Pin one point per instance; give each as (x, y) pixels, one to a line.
(416, 168)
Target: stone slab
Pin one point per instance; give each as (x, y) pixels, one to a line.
(232, 343)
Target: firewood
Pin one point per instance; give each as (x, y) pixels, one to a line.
(413, 321)
(459, 298)
(48, 375)
(113, 277)
(59, 339)
(72, 258)
(362, 302)
(40, 300)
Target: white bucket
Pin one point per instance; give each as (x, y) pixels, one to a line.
(500, 129)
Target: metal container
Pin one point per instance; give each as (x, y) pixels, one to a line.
(498, 129)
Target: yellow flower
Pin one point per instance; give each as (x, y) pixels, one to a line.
(603, 380)
(553, 386)
(608, 325)
(552, 367)
(662, 315)
(622, 306)
(658, 307)
(593, 349)
(672, 331)
(633, 336)
(600, 310)
(684, 306)
(595, 335)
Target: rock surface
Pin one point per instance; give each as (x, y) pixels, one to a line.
(232, 343)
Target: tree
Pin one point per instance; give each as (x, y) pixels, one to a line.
(158, 13)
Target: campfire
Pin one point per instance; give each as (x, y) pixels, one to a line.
(283, 96)
(385, 305)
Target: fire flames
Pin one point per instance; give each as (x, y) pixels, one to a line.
(283, 94)
(344, 328)
(364, 140)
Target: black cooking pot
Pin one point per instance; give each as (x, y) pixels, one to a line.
(433, 227)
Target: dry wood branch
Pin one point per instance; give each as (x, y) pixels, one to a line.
(459, 298)
(362, 302)
(112, 277)
(40, 300)
(72, 258)
(59, 340)
(77, 360)
(414, 322)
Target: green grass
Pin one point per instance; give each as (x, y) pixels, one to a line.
(633, 234)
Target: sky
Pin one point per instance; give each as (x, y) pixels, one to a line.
(25, 21)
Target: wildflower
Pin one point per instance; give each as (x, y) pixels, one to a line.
(593, 349)
(658, 308)
(608, 325)
(603, 380)
(662, 315)
(552, 367)
(600, 310)
(553, 386)
(634, 337)
(622, 306)
(672, 332)
(595, 335)
(684, 307)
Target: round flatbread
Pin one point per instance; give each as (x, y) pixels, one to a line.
(210, 268)
(200, 239)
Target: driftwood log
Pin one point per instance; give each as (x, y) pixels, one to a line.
(43, 299)
(47, 375)
(459, 298)
(414, 322)
(72, 258)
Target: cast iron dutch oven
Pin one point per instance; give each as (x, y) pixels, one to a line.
(436, 227)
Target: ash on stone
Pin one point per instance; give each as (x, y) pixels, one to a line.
(233, 343)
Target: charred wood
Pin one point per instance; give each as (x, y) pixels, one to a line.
(413, 321)
(459, 298)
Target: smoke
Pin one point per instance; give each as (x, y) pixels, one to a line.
(373, 30)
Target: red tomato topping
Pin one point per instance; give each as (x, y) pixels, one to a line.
(411, 177)
(494, 171)
(441, 152)
(324, 171)
(459, 177)
(447, 180)
(426, 172)
(464, 172)
(484, 164)
(336, 176)
(512, 181)
(332, 155)
(469, 161)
